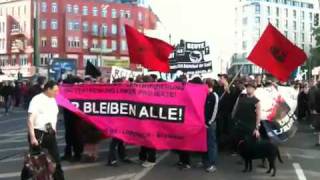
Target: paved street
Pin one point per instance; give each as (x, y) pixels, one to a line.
(300, 155)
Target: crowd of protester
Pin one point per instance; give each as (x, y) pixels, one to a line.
(230, 116)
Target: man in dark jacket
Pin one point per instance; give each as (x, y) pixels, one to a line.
(211, 109)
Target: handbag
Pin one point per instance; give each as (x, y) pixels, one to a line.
(38, 166)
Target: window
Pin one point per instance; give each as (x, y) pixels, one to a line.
(245, 21)
(139, 16)
(303, 46)
(104, 28)
(76, 42)
(122, 13)
(84, 43)
(277, 23)
(295, 36)
(85, 10)
(128, 14)
(286, 33)
(302, 37)
(286, 24)
(43, 7)
(302, 15)
(244, 45)
(123, 45)
(114, 45)
(123, 31)
(95, 43)
(95, 29)
(54, 24)
(69, 8)
(257, 20)
(104, 44)
(95, 11)
(114, 29)
(114, 13)
(303, 26)
(85, 27)
(75, 9)
(294, 13)
(43, 24)
(43, 42)
(257, 8)
(310, 16)
(54, 7)
(287, 13)
(311, 27)
(277, 11)
(70, 25)
(295, 25)
(76, 26)
(104, 12)
(54, 42)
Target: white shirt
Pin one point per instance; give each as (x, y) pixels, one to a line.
(45, 110)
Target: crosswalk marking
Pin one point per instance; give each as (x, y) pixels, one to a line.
(299, 171)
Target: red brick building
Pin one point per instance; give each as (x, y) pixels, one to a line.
(79, 29)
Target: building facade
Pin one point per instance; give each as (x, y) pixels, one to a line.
(77, 29)
(294, 18)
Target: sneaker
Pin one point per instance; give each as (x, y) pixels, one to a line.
(112, 163)
(211, 169)
(185, 166)
(179, 164)
(148, 164)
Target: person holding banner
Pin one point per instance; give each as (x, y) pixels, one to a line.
(247, 114)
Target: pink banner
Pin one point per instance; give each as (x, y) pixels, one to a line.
(164, 116)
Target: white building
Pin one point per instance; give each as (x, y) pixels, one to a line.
(294, 18)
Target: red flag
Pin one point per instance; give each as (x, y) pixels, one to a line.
(276, 54)
(149, 52)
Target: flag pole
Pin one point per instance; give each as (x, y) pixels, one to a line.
(232, 81)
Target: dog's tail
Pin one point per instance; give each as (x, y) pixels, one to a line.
(279, 156)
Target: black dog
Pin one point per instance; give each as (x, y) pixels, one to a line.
(250, 150)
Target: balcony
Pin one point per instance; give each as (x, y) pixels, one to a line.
(17, 32)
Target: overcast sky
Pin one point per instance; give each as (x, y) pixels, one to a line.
(209, 20)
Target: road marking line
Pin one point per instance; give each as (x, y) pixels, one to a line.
(10, 120)
(122, 177)
(299, 171)
(145, 171)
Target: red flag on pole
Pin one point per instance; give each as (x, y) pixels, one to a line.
(276, 54)
(151, 53)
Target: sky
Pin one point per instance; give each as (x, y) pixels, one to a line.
(201, 20)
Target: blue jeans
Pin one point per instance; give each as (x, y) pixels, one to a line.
(7, 103)
(210, 157)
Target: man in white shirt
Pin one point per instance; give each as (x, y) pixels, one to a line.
(42, 120)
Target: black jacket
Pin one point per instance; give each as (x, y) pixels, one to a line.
(211, 108)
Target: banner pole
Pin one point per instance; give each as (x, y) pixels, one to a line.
(232, 81)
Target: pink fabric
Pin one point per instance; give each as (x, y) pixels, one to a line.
(183, 128)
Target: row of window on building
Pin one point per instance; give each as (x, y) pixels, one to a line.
(278, 11)
(75, 26)
(74, 42)
(289, 3)
(277, 23)
(18, 11)
(22, 60)
(75, 9)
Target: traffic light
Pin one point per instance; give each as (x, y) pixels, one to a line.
(316, 20)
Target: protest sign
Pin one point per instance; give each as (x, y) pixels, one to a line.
(158, 115)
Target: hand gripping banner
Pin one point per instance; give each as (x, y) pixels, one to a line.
(163, 116)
